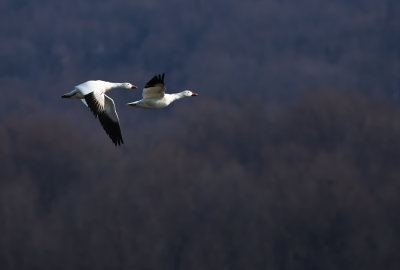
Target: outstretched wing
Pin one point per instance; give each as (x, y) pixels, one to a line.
(110, 121)
(155, 88)
(95, 102)
(93, 91)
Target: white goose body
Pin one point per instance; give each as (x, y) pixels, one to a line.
(157, 103)
(92, 94)
(154, 96)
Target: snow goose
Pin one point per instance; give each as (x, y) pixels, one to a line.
(154, 96)
(92, 94)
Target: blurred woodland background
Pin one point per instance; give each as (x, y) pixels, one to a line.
(289, 158)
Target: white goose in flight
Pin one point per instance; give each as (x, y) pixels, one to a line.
(92, 94)
(154, 96)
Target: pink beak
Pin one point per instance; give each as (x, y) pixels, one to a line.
(134, 86)
(194, 94)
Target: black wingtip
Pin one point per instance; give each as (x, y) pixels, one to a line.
(119, 142)
(156, 80)
(112, 129)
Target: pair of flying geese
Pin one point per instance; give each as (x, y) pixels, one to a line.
(93, 95)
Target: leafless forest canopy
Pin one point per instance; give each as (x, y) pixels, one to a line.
(287, 159)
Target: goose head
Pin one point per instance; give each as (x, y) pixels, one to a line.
(127, 85)
(188, 93)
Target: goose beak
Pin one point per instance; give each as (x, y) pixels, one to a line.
(194, 94)
(133, 86)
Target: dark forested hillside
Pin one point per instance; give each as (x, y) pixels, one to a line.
(312, 185)
(287, 159)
